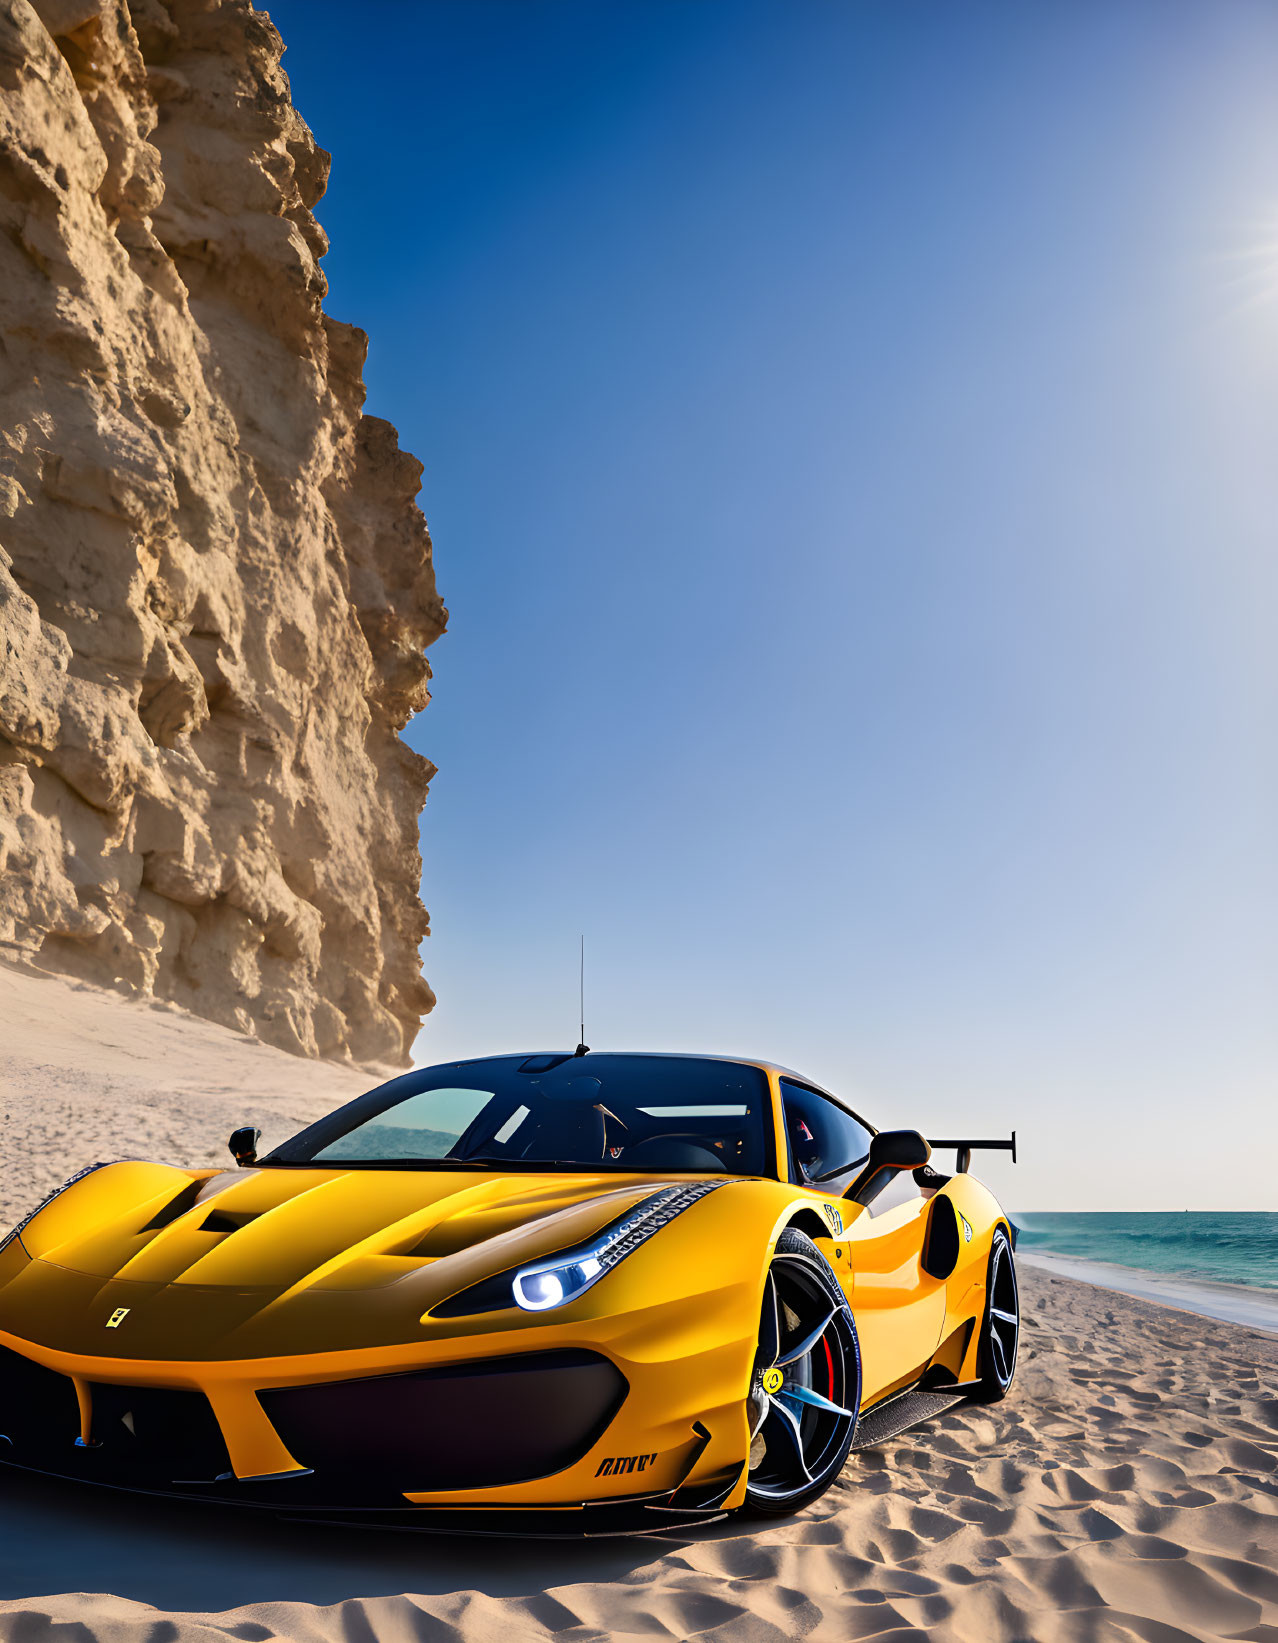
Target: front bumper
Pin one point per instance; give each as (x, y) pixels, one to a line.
(502, 1421)
(559, 1430)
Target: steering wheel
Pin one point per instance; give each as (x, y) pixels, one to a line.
(674, 1149)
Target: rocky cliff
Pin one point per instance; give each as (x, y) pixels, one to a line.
(215, 583)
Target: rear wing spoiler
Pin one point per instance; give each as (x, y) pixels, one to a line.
(965, 1150)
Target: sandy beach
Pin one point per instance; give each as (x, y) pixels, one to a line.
(87, 1074)
(1128, 1489)
(1230, 1303)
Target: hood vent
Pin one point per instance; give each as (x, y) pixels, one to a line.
(176, 1206)
(228, 1220)
(450, 1238)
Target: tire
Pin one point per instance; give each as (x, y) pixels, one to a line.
(802, 1423)
(1000, 1326)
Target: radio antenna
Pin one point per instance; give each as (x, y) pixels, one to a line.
(582, 1047)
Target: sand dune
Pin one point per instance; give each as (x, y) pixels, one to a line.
(1128, 1489)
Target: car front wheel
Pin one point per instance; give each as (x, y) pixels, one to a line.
(805, 1388)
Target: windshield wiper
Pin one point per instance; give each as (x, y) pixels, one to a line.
(537, 1163)
(369, 1163)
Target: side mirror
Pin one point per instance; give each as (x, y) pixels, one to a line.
(243, 1145)
(890, 1152)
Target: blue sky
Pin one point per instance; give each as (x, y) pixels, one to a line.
(849, 435)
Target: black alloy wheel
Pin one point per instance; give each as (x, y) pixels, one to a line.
(1001, 1326)
(805, 1388)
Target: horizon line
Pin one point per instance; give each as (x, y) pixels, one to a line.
(1178, 1210)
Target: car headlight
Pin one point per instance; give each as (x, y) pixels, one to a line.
(539, 1287)
(561, 1278)
(48, 1198)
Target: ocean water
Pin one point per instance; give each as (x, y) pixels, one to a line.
(1223, 1247)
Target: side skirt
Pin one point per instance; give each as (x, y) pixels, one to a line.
(905, 1409)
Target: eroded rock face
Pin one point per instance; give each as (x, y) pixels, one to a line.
(215, 583)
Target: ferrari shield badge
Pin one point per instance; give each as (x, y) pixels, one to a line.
(117, 1317)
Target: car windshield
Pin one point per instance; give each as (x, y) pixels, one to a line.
(639, 1113)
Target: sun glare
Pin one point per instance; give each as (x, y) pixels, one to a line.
(1251, 270)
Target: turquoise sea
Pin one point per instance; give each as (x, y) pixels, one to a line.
(1224, 1247)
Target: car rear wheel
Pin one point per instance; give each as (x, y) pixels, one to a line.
(805, 1389)
(1001, 1326)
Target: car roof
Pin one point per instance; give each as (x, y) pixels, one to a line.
(678, 1055)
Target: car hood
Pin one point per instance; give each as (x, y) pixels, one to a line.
(271, 1259)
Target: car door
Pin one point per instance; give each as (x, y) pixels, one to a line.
(898, 1307)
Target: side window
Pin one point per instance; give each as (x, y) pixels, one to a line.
(827, 1144)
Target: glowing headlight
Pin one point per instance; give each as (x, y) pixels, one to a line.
(565, 1276)
(536, 1288)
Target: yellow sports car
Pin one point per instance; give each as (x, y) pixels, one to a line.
(548, 1293)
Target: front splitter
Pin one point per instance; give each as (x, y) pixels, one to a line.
(297, 1497)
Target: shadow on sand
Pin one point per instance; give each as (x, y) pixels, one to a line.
(185, 1556)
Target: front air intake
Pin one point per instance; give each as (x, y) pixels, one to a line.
(164, 1432)
(38, 1408)
(472, 1425)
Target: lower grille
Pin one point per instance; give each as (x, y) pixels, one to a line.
(144, 1435)
(473, 1425)
(38, 1407)
(166, 1432)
